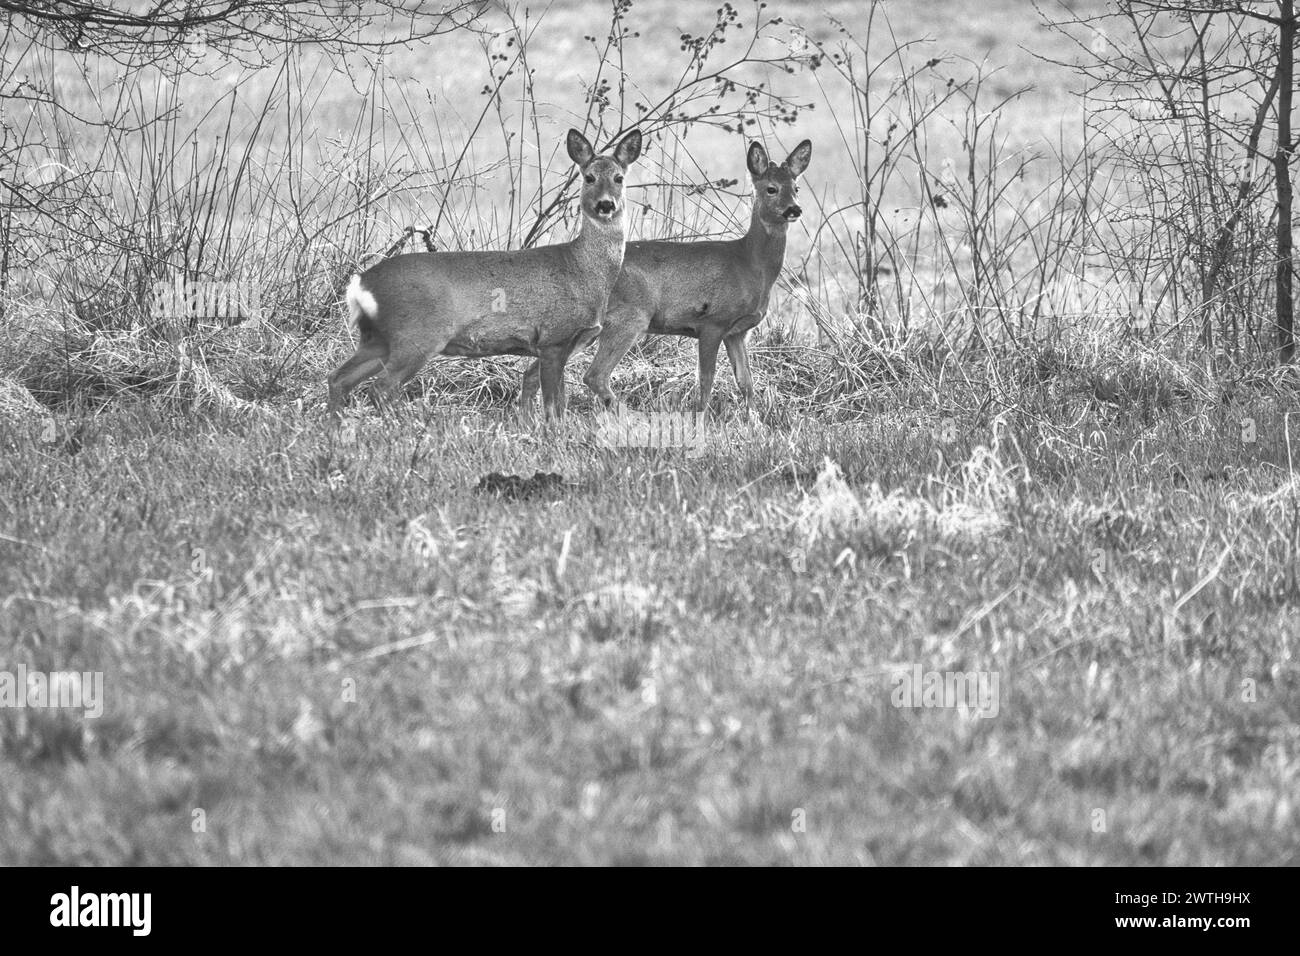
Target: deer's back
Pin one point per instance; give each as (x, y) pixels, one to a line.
(492, 302)
(686, 284)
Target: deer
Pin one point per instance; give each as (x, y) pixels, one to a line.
(714, 291)
(542, 302)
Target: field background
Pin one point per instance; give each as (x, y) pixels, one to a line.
(330, 648)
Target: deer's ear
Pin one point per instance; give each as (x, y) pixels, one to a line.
(580, 150)
(628, 148)
(799, 158)
(756, 159)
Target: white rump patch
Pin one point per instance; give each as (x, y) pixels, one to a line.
(360, 301)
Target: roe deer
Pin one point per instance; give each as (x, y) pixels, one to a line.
(712, 291)
(543, 302)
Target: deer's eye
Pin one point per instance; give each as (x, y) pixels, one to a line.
(619, 180)
(772, 190)
(589, 178)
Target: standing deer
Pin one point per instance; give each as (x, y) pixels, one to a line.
(712, 291)
(543, 302)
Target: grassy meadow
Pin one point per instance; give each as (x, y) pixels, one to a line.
(338, 650)
(324, 647)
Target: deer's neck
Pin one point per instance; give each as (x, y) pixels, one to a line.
(764, 246)
(600, 245)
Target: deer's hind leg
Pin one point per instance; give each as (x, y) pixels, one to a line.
(368, 360)
(405, 360)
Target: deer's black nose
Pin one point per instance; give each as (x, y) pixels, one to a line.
(792, 213)
(605, 207)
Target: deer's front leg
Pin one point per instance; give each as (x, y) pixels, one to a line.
(579, 342)
(710, 339)
(528, 390)
(620, 334)
(739, 355)
(552, 373)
